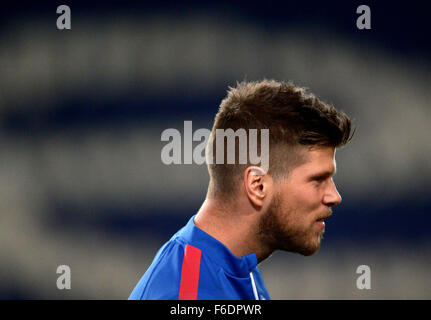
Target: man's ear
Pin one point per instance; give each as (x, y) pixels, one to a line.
(257, 184)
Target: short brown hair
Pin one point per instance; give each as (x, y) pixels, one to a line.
(293, 116)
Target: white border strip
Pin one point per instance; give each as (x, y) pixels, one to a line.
(254, 286)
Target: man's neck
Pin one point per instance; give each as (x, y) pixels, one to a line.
(236, 230)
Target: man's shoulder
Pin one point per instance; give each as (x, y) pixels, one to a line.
(176, 263)
(163, 274)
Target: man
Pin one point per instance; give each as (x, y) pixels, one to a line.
(250, 212)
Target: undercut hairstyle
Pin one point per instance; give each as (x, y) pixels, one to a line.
(294, 118)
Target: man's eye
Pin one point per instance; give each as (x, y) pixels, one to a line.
(318, 182)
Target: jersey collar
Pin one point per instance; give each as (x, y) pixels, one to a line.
(217, 251)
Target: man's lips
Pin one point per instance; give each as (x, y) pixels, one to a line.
(321, 221)
(322, 218)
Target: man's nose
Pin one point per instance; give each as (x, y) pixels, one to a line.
(332, 197)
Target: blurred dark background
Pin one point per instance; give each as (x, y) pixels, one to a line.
(82, 110)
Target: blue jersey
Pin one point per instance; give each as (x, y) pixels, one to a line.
(194, 265)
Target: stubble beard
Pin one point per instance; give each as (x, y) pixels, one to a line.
(278, 232)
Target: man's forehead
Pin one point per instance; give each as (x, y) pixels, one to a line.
(319, 158)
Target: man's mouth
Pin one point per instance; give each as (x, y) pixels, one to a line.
(322, 219)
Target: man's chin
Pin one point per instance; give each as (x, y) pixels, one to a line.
(305, 250)
(309, 251)
(312, 248)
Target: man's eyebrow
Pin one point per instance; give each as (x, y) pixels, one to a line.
(323, 174)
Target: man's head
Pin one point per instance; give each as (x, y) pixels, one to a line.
(298, 189)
